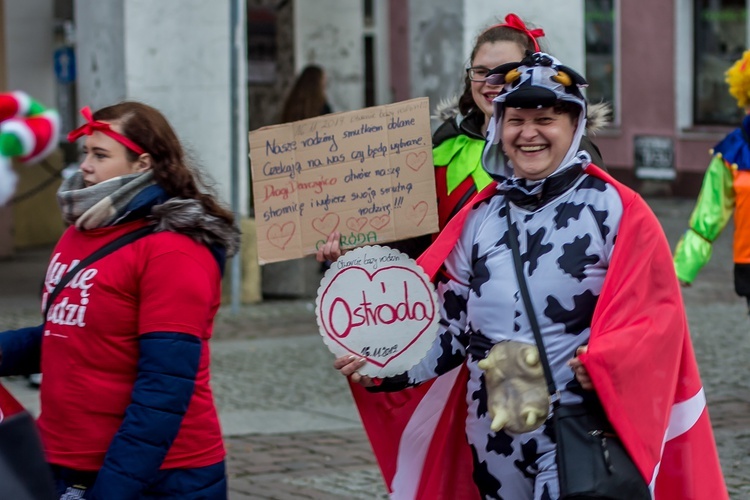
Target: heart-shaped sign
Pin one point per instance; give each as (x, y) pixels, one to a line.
(280, 235)
(356, 223)
(327, 224)
(415, 160)
(377, 303)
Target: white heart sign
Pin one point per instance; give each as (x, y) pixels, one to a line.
(377, 303)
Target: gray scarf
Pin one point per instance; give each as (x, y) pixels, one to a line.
(102, 204)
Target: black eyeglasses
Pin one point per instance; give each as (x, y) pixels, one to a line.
(477, 73)
(481, 74)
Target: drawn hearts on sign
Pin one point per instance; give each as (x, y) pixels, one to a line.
(376, 303)
(280, 235)
(356, 223)
(327, 224)
(419, 212)
(380, 221)
(415, 160)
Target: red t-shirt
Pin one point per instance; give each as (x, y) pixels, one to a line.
(165, 282)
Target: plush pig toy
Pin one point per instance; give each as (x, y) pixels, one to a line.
(517, 395)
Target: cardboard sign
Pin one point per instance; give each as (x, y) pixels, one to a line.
(367, 174)
(377, 303)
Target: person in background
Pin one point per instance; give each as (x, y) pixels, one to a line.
(615, 332)
(127, 408)
(725, 191)
(459, 141)
(307, 97)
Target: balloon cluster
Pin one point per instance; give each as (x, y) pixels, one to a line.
(28, 131)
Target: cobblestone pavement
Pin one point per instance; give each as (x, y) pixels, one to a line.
(290, 426)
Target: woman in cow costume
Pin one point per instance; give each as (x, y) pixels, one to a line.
(608, 306)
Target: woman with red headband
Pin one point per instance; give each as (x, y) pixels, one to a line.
(127, 410)
(459, 141)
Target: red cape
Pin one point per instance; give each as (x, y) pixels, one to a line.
(8, 404)
(640, 358)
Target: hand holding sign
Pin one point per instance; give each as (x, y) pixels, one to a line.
(376, 303)
(360, 173)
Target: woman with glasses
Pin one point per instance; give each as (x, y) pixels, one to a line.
(459, 141)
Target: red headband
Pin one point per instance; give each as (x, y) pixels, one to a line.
(514, 22)
(92, 126)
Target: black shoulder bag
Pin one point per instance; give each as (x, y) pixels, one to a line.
(591, 460)
(96, 255)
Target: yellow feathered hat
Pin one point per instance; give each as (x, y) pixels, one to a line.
(738, 78)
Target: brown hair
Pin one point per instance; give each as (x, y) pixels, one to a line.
(149, 129)
(493, 34)
(307, 97)
(571, 109)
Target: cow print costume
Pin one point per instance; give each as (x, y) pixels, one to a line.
(567, 225)
(566, 246)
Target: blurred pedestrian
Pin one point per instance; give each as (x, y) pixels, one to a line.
(127, 409)
(725, 191)
(307, 97)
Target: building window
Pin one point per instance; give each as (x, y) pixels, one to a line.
(719, 33)
(370, 82)
(600, 51)
(370, 53)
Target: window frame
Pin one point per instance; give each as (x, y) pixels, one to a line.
(685, 53)
(616, 101)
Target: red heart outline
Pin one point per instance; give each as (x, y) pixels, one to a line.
(356, 223)
(324, 319)
(320, 224)
(280, 239)
(415, 160)
(416, 211)
(380, 221)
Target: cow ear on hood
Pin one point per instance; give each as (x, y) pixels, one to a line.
(575, 78)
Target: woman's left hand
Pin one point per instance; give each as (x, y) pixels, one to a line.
(331, 251)
(582, 375)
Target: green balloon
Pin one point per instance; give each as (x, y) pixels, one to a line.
(10, 145)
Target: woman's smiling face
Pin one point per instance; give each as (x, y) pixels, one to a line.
(488, 56)
(536, 140)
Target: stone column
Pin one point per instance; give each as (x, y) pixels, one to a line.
(173, 55)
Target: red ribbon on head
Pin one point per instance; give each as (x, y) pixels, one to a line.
(513, 21)
(92, 126)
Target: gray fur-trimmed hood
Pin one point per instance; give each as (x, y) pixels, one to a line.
(598, 115)
(446, 109)
(188, 217)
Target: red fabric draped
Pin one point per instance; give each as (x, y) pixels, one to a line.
(640, 358)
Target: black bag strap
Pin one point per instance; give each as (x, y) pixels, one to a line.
(513, 243)
(96, 255)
